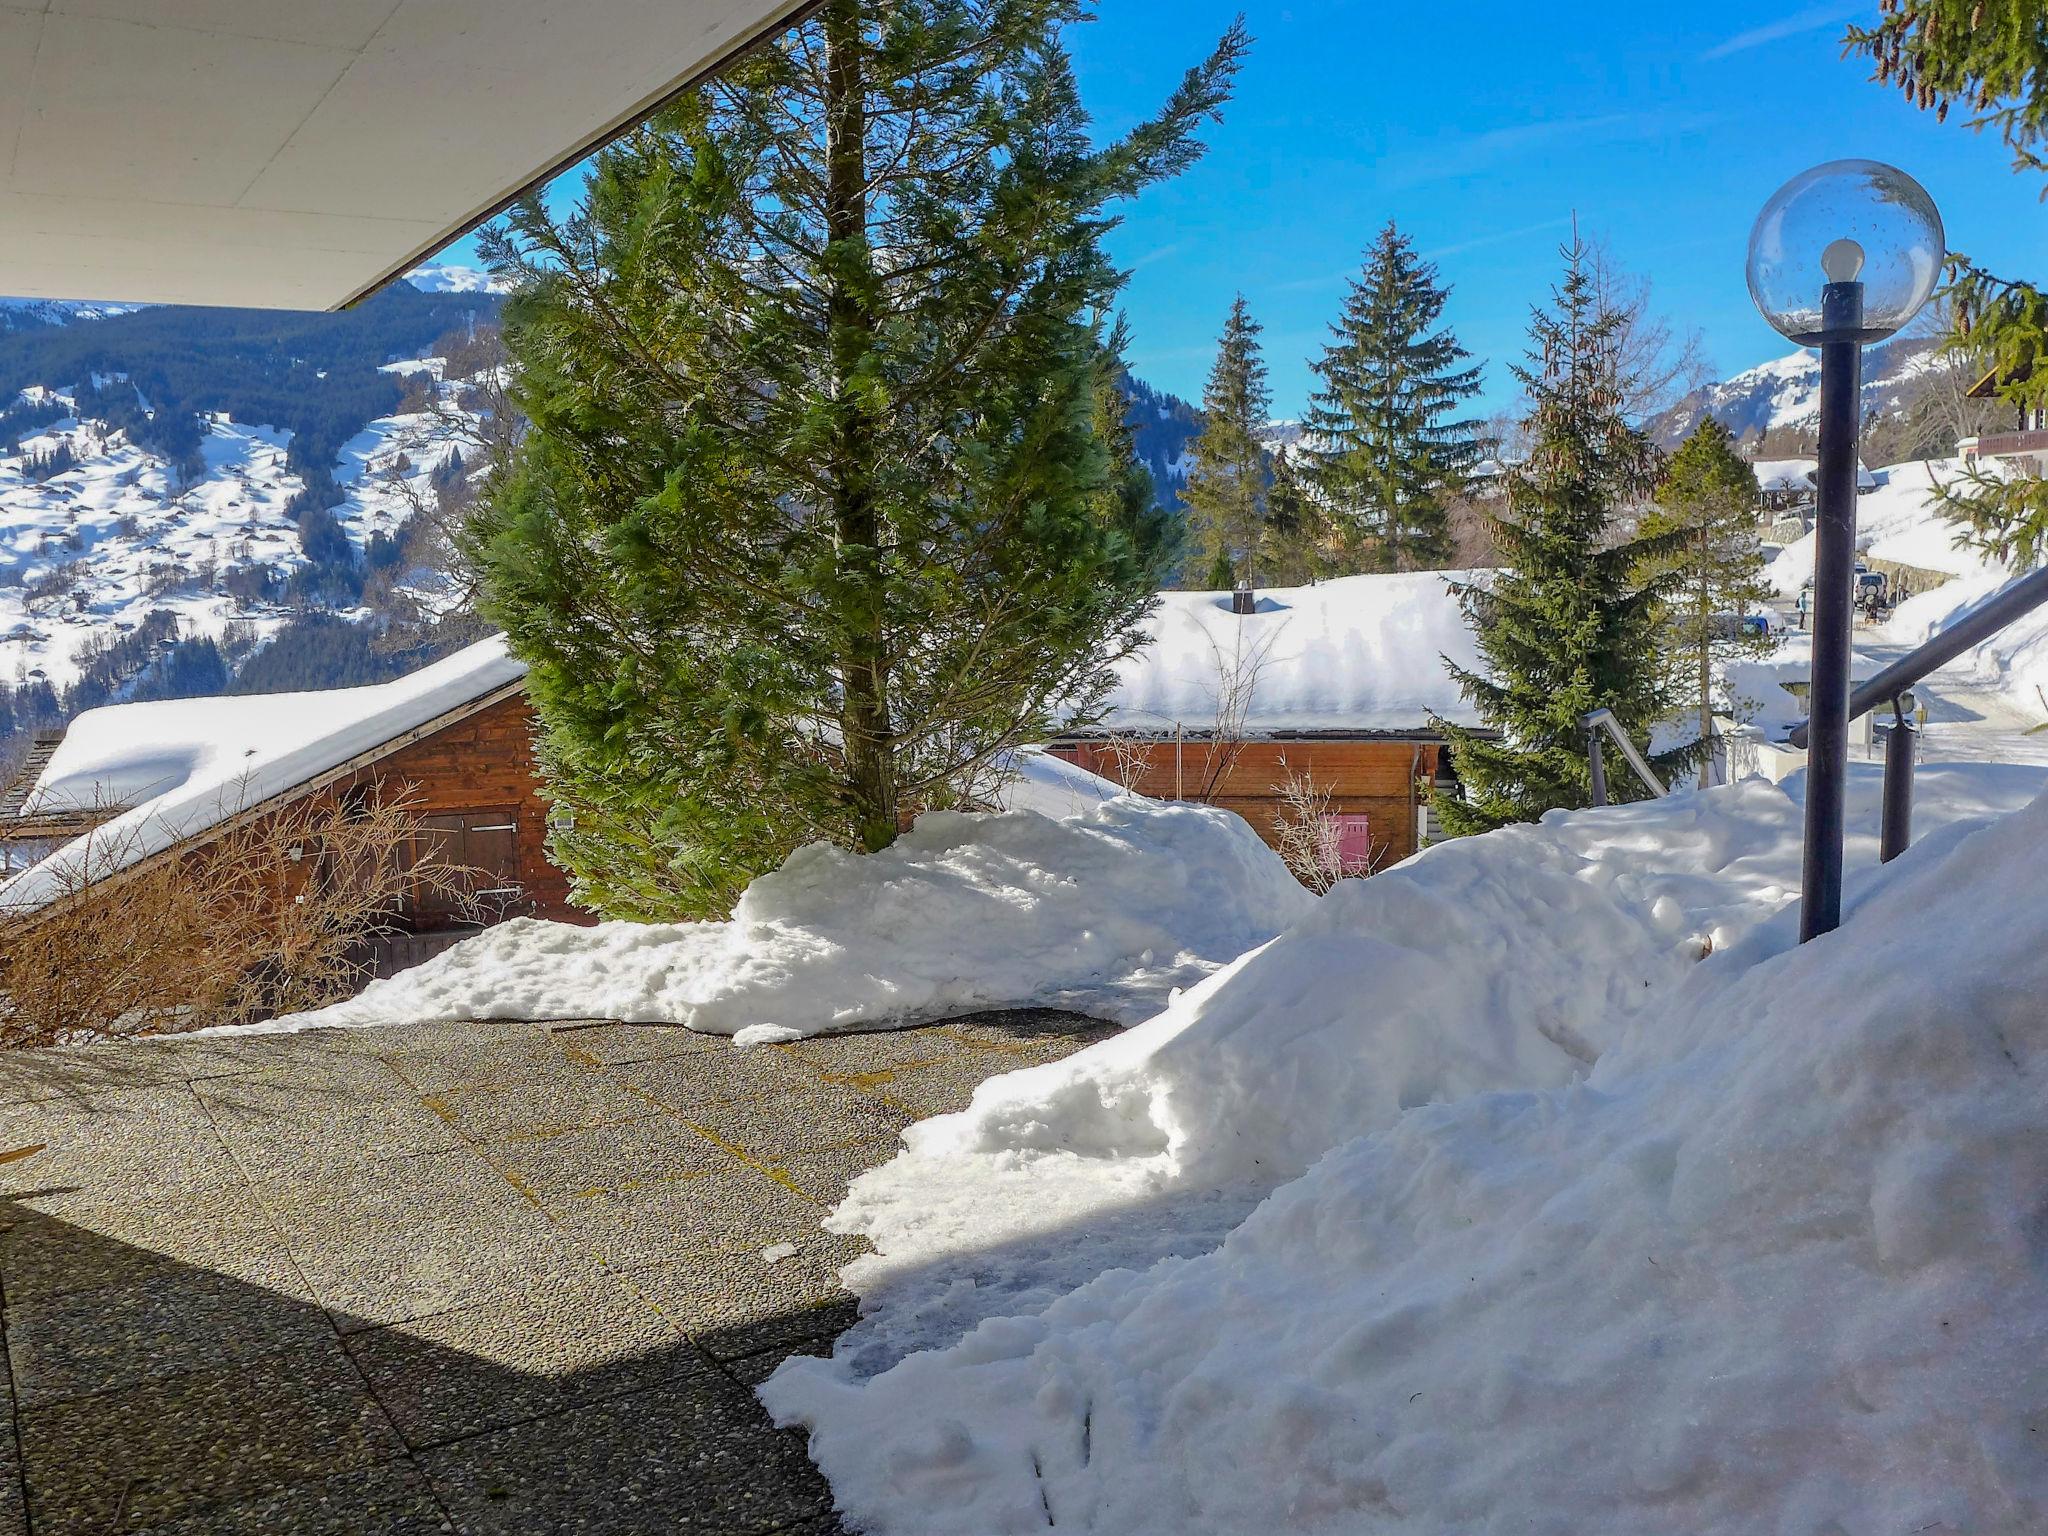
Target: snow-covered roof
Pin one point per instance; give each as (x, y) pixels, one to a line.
(1360, 653)
(1780, 475)
(179, 767)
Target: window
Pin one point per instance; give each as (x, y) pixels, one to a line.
(484, 846)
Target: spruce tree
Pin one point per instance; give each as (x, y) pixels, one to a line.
(1571, 621)
(808, 528)
(1226, 490)
(1127, 501)
(1387, 453)
(1990, 59)
(1707, 501)
(1297, 527)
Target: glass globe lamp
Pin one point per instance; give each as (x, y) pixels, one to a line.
(1847, 251)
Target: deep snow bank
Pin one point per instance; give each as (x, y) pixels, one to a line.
(1108, 911)
(1774, 1264)
(2015, 660)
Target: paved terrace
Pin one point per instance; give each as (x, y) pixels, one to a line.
(483, 1277)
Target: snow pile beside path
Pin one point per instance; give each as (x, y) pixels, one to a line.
(1774, 1264)
(2015, 660)
(1106, 912)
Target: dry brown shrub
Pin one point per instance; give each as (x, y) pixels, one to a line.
(273, 915)
(1309, 843)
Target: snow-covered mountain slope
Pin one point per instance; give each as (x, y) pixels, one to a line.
(22, 314)
(1786, 392)
(88, 553)
(452, 278)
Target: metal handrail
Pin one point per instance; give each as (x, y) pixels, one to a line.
(2010, 602)
(1597, 720)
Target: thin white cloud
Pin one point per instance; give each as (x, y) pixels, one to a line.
(1480, 152)
(1499, 237)
(1812, 19)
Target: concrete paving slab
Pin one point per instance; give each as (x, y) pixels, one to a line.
(696, 1454)
(434, 1058)
(61, 1243)
(720, 1212)
(606, 1044)
(824, 1175)
(566, 1173)
(816, 1119)
(683, 1083)
(737, 1304)
(392, 1498)
(175, 1320)
(156, 1138)
(480, 1278)
(275, 1130)
(548, 1342)
(551, 1102)
(168, 1449)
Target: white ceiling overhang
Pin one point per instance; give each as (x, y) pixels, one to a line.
(299, 153)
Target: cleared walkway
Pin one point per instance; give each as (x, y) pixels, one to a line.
(482, 1277)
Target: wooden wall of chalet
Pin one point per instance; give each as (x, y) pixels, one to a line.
(1376, 778)
(484, 762)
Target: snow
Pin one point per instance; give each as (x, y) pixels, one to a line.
(144, 541)
(2014, 662)
(453, 277)
(1797, 475)
(184, 765)
(1360, 653)
(1900, 521)
(1052, 786)
(1540, 1184)
(1107, 912)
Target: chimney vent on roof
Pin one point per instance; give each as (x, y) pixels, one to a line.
(1241, 599)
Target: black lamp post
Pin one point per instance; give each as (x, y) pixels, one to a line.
(1841, 256)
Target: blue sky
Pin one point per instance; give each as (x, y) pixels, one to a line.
(1481, 129)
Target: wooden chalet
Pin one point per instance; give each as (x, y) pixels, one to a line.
(2025, 447)
(130, 785)
(1341, 682)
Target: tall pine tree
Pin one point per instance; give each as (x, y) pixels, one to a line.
(1388, 454)
(1572, 621)
(809, 527)
(1127, 500)
(1226, 490)
(1707, 502)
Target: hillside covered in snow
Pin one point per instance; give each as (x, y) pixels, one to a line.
(1785, 392)
(179, 487)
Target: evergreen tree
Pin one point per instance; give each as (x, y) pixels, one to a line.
(1226, 489)
(1990, 57)
(807, 528)
(1297, 527)
(1387, 454)
(1571, 622)
(1707, 503)
(1127, 500)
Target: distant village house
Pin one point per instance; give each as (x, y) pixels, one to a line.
(1340, 682)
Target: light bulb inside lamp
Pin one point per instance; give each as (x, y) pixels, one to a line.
(1842, 261)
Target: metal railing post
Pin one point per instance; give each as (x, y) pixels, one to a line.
(1597, 763)
(1900, 741)
(1834, 567)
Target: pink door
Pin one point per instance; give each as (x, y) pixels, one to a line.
(1354, 841)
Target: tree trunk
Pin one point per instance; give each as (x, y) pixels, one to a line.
(867, 739)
